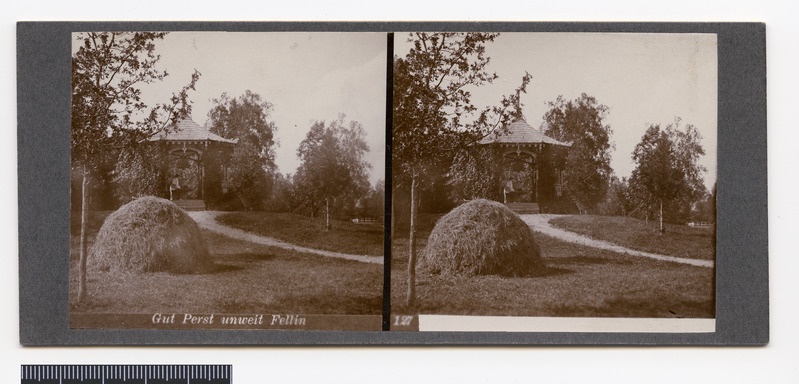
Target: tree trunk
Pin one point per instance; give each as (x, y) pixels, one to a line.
(84, 217)
(327, 214)
(412, 248)
(662, 230)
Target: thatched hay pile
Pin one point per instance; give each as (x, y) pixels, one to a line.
(150, 234)
(482, 237)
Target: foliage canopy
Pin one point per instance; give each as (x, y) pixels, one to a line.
(667, 170)
(332, 162)
(107, 108)
(252, 163)
(582, 123)
(434, 116)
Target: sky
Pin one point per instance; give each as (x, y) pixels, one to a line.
(307, 77)
(642, 78)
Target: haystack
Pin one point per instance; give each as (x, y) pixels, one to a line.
(482, 237)
(150, 234)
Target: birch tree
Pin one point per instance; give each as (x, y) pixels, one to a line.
(333, 164)
(668, 173)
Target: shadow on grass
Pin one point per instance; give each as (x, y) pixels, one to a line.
(582, 260)
(251, 257)
(663, 307)
(333, 304)
(666, 307)
(708, 232)
(547, 271)
(554, 271)
(224, 268)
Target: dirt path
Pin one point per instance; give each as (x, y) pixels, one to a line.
(541, 224)
(207, 220)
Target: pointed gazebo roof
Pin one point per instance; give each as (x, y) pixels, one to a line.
(520, 133)
(187, 131)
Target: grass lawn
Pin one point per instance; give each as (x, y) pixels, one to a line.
(344, 236)
(249, 278)
(679, 240)
(581, 282)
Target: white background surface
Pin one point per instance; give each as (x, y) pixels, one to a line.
(776, 363)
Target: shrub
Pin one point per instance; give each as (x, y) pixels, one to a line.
(150, 234)
(482, 237)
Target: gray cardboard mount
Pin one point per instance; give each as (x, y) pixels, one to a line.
(43, 100)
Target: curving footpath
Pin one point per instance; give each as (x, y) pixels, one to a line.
(207, 220)
(541, 224)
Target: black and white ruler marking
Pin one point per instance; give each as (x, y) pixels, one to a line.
(127, 374)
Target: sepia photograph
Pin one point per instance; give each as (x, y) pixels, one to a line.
(580, 311)
(342, 184)
(554, 182)
(227, 180)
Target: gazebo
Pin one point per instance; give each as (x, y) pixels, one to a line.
(530, 166)
(188, 146)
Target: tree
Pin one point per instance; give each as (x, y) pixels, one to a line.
(582, 123)
(617, 199)
(140, 170)
(373, 204)
(332, 163)
(253, 160)
(431, 102)
(474, 173)
(668, 173)
(282, 199)
(107, 111)
(703, 210)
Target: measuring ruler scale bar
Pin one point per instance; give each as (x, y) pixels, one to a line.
(127, 374)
